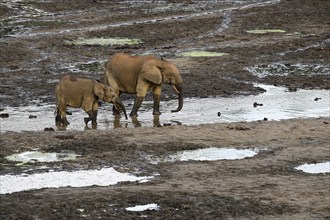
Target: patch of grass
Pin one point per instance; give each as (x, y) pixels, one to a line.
(265, 31)
(196, 53)
(105, 41)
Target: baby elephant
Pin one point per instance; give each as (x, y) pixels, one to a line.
(78, 92)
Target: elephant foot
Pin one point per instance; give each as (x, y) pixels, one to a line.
(116, 110)
(136, 122)
(115, 113)
(93, 119)
(156, 113)
(133, 114)
(86, 120)
(58, 119)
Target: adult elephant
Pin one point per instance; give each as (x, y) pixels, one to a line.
(139, 74)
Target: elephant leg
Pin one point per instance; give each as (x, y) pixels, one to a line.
(92, 115)
(89, 118)
(136, 106)
(141, 91)
(88, 105)
(58, 119)
(157, 91)
(116, 109)
(95, 109)
(61, 115)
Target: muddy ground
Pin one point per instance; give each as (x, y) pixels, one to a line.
(34, 55)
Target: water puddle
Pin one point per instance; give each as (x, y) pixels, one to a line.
(82, 178)
(36, 156)
(207, 154)
(197, 53)
(265, 31)
(280, 69)
(275, 104)
(141, 208)
(315, 168)
(105, 41)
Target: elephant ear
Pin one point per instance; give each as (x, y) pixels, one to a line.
(99, 90)
(152, 73)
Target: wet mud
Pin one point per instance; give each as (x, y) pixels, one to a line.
(279, 43)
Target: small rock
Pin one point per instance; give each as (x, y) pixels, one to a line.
(4, 115)
(292, 89)
(167, 124)
(238, 128)
(49, 129)
(219, 114)
(317, 99)
(64, 137)
(257, 104)
(265, 119)
(32, 116)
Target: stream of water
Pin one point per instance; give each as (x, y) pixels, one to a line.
(275, 104)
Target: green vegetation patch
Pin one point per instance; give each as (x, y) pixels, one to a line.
(196, 53)
(265, 31)
(105, 41)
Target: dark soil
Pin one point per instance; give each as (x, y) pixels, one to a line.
(34, 55)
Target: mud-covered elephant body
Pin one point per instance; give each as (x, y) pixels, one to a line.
(85, 93)
(139, 74)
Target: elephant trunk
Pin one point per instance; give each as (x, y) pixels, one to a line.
(118, 101)
(179, 89)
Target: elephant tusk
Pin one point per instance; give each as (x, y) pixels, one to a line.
(175, 89)
(114, 104)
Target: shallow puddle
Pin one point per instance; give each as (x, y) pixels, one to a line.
(82, 178)
(141, 208)
(315, 168)
(207, 154)
(275, 104)
(36, 156)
